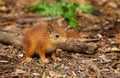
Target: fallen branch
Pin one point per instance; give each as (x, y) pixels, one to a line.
(72, 44)
(76, 45)
(32, 19)
(10, 38)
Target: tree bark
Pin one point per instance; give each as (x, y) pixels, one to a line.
(71, 45)
(10, 38)
(79, 46)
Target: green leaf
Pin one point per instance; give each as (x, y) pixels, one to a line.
(72, 23)
(65, 9)
(84, 7)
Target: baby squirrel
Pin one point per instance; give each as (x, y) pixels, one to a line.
(43, 39)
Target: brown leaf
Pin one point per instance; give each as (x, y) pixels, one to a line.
(54, 74)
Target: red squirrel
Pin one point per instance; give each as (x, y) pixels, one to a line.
(42, 39)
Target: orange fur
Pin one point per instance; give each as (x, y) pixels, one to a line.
(41, 40)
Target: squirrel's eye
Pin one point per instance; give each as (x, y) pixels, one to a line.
(57, 36)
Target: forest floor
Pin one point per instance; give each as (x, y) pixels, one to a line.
(103, 24)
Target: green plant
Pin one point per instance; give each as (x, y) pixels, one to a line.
(84, 7)
(64, 9)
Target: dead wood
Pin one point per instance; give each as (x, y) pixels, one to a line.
(34, 19)
(72, 44)
(79, 46)
(10, 38)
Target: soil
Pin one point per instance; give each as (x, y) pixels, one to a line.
(102, 24)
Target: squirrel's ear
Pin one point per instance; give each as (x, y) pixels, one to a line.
(55, 24)
(50, 29)
(66, 29)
